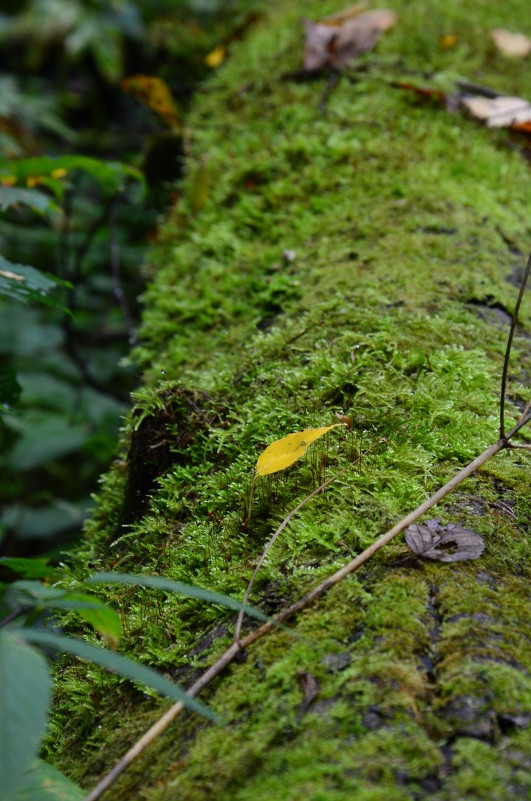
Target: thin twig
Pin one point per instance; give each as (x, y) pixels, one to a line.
(509, 345)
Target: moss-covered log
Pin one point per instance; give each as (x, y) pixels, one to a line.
(359, 261)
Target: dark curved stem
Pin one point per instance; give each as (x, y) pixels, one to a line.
(508, 349)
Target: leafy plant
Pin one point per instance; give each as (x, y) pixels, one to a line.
(40, 194)
(27, 632)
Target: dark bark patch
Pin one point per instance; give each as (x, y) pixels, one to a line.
(159, 441)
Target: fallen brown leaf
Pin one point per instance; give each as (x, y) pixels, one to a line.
(431, 540)
(334, 45)
(483, 103)
(344, 418)
(310, 688)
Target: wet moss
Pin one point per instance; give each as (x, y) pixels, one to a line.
(343, 263)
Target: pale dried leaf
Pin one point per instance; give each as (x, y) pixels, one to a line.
(335, 45)
(515, 45)
(284, 452)
(318, 42)
(431, 540)
(499, 112)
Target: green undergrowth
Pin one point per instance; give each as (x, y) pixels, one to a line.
(362, 262)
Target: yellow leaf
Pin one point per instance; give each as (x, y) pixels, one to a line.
(8, 180)
(448, 41)
(156, 95)
(215, 57)
(59, 173)
(284, 452)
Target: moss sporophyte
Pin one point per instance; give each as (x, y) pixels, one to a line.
(409, 225)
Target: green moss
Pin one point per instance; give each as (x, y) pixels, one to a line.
(407, 223)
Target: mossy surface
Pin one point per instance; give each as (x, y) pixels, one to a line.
(409, 227)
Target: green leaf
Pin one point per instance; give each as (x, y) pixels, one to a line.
(35, 200)
(40, 522)
(44, 437)
(44, 783)
(112, 175)
(32, 593)
(108, 55)
(25, 283)
(158, 583)
(100, 616)
(24, 698)
(10, 389)
(117, 664)
(27, 567)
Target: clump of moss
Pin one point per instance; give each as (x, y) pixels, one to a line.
(407, 225)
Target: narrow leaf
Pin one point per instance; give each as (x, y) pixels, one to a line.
(158, 583)
(27, 567)
(284, 452)
(32, 593)
(24, 697)
(117, 664)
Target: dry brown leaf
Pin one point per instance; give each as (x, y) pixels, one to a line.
(335, 45)
(344, 418)
(498, 112)
(431, 540)
(514, 45)
(310, 688)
